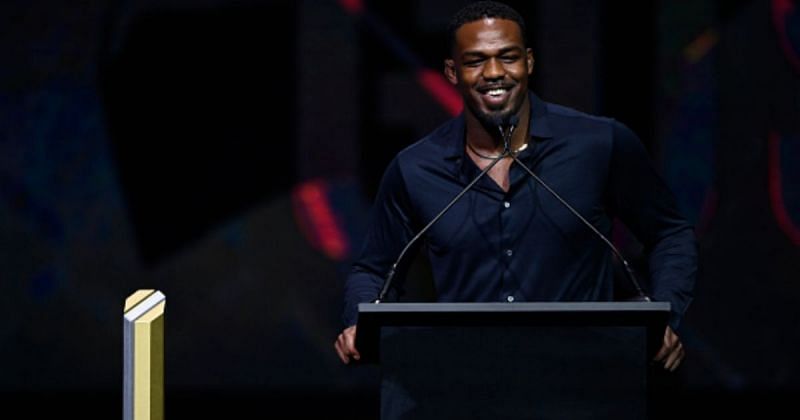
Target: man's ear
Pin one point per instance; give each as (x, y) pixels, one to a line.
(450, 71)
(529, 58)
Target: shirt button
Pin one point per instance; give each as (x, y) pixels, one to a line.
(507, 204)
(510, 298)
(509, 252)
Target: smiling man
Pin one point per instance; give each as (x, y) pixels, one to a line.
(507, 239)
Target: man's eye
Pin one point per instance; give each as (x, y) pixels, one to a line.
(473, 63)
(510, 58)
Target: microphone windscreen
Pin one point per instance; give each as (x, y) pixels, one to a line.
(497, 121)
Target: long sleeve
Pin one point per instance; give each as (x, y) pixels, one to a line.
(642, 200)
(389, 231)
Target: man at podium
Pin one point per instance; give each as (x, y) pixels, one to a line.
(506, 236)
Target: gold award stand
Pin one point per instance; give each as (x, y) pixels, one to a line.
(143, 344)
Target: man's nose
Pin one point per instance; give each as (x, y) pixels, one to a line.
(493, 69)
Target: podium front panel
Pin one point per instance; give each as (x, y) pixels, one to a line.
(554, 360)
(535, 372)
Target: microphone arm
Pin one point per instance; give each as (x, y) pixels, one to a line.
(642, 297)
(388, 282)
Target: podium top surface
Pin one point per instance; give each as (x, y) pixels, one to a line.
(508, 314)
(540, 307)
(376, 315)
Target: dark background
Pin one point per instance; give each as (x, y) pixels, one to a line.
(226, 153)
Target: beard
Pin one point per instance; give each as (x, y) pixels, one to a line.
(492, 119)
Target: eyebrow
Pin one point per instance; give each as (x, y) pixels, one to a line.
(500, 52)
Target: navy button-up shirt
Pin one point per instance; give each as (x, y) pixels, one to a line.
(523, 245)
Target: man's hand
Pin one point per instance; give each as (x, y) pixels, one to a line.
(671, 352)
(346, 345)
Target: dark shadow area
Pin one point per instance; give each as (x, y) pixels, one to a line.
(200, 108)
(201, 404)
(628, 66)
(364, 404)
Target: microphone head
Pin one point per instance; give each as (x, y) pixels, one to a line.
(498, 121)
(505, 121)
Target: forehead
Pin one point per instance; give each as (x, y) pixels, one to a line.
(488, 33)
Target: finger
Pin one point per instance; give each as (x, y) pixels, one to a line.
(673, 366)
(663, 351)
(675, 355)
(674, 359)
(350, 345)
(670, 337)
(667, 346)
(679, 360)
(340, 350)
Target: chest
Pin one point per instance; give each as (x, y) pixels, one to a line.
(507, 204)
(499, 173)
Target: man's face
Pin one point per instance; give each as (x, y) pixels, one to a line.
(490, 67)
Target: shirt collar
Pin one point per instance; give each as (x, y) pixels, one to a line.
(454, 136)
(540, 125)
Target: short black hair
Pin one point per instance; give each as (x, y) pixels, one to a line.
(479, 10)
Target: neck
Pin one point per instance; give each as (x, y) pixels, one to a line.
(490, 140)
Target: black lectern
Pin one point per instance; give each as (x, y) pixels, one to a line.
(554, 360)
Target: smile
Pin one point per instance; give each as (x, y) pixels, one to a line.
(495, 97)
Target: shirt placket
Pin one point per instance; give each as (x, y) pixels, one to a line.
(512, 207)
(509, 289)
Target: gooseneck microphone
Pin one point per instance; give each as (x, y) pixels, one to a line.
(641, 296)
(506, 128)
(506, 133)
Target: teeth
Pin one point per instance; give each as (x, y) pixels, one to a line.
(496, 92)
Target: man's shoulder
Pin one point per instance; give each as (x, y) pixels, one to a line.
(565, 114)
(582, 128)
